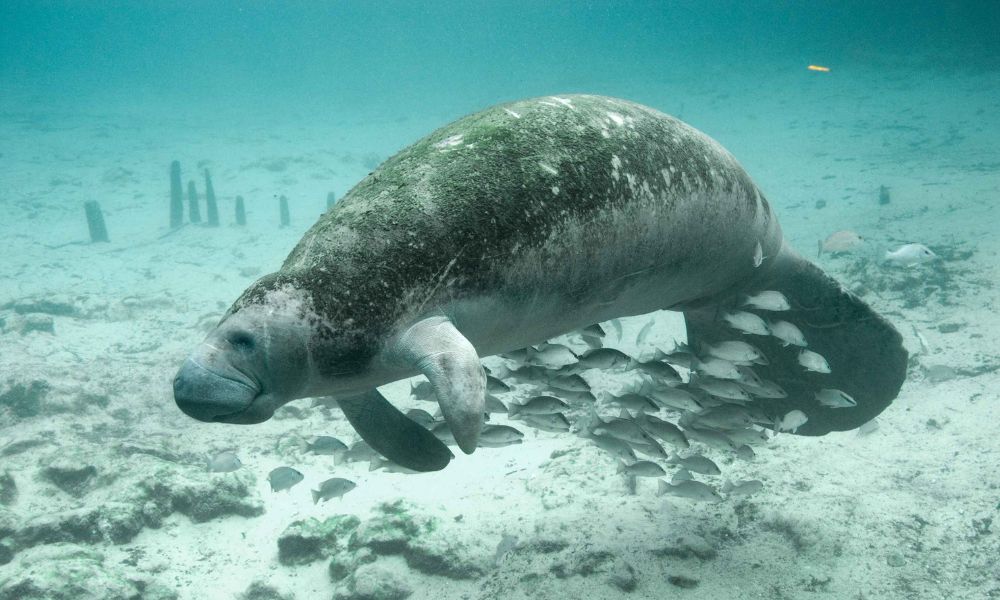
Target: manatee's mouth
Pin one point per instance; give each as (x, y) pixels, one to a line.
(214, 397)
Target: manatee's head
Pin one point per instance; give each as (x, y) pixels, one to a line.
(255, 360)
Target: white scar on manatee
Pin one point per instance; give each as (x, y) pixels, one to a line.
(564, 101)
(298, 308)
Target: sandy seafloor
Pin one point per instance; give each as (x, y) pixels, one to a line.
(910, 510)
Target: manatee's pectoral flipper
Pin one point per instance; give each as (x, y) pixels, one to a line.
(450, 363)
(393, 434)
(865, 352)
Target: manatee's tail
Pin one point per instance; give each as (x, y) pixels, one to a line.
(865, 352)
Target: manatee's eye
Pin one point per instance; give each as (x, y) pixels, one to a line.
(241, 340)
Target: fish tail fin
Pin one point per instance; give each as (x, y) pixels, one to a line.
(819, 248)
(727, 487)
(315, 496)
(622, 467)
(865, 352)
(662, 487)
(513, 408)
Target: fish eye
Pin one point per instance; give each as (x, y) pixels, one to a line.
(241, 340)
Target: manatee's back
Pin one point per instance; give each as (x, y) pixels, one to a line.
(553, 181)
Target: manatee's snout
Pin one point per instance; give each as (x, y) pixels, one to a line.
(211, 396)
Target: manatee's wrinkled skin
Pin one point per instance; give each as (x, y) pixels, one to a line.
(549, 221)
(519, 223)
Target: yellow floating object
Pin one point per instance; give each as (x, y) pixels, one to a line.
(819, 68)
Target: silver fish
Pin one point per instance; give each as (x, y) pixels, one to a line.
(681, 356)
(723, 388)
(722, 417)
(765, 389)
(641, 468)
(717, 367)
(613, 445)
(498, 436)
(768, 300)
(659, 370)
(327, 445)
(332, 488)
(746, 453)
(604, 358)
(792, 421)
(623, 429)
(519, 355)
(746, 322)
(789, 334)
(735, 351)
(696, 463)
(530, 374)
(711, 438)
(742, 488)
(748, 435)
(555, 422)
(576, 397)
(671, 397)
(811, 361)
(496, 386)
(840, 241)
(651, 448)
(494, 405)
(424, 418)
(224, 462)
(681, 475)
(359, 451)
(690, 489)
(539, 405)
(835, 398)
(550, 356)
(422, 391)
(664, 430)
(909, 255)
(748, 377)
(443, 432)
(569, 383)
(633, 402)
(283, 478)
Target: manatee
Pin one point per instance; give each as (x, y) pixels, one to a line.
(509, 227)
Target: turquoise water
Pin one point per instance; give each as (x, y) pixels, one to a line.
(867, 127)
